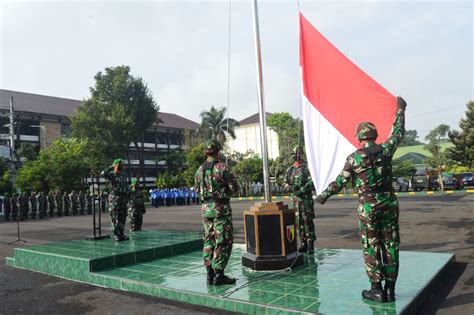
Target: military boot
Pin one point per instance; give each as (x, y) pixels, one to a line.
(311, 247)
(390, 290)
(220, 278)
(210, 275)
(376, 293)
(303, 248)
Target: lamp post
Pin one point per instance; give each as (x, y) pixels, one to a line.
(43, 131)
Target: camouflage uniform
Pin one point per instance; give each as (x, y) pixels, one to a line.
(89, 200)
(301, 187)
(14, 207)
(103, 201)
(51, 204)
(118, 199)
(42, 205)
(215, 184)
(23, 203)
(6, 207)
(82, 202)
(58, 200)
(136, 208)
(371, 173)
(74, 202)
(33, 205)
(66, 204)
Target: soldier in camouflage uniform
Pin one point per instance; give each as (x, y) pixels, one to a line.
(6, 207)
(118, 198)
(136, 208)
(58, 200)
(33, 205)
(370, 169)
(215, 184)
(301, 186)
(51, 204)
(82, 202)
(89, 200)
(74, 202)
(14, 207)
(23, 204)
(66, 204)
(42, 204)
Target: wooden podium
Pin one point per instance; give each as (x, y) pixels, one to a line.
(270, 237)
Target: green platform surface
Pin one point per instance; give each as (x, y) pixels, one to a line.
(329, 282)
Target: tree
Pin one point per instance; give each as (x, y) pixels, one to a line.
(28, 151)
(215, 125)
(410, 138)
(249, 170)
(438, 159)
(5, 182)
(463, 140)
(120, 110)
(62, 166)
(194, 158)
(402, 169)
(289, 131)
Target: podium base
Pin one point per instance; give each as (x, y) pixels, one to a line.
(96, 238)
(271, 262)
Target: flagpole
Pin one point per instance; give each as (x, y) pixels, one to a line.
(261, 103)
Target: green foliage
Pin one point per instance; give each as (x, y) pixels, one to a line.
(166, 180)
(410, 138)
(28, 151)
(215, 125)
(439, 159)
(249, 170)
(194, 158)
(62, 166)
(5, 182)
(287, 129)
(119, 111)
(402, 168)
(463, 151)
(278, 168)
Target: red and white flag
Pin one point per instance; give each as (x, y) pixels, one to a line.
(336, 96)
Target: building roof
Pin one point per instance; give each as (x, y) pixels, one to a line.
(40, 104)
(254, 119)
(50, 105)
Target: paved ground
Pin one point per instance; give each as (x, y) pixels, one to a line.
(428, 223)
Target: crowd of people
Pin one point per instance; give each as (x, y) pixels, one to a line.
(173, 197)
(40, 205)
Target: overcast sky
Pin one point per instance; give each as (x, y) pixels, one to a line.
(422, 50)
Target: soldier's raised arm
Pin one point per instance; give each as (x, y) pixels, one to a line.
(398, 129)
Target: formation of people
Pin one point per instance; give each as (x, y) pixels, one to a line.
(368, 169)
(40, 205)
(173, 197)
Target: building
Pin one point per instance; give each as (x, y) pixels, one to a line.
(40, 119)
(248, 138)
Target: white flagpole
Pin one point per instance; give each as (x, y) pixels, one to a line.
(261, 103)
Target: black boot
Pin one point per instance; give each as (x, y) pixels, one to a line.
(376, 293)
(390, 290)
(220, 278)
(210, 275)
(303, 248)
(311, 247)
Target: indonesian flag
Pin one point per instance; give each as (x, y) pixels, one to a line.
(336, 96)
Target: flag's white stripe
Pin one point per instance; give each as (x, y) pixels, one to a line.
(326, 147)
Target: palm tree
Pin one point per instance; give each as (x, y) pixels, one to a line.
(216, 125)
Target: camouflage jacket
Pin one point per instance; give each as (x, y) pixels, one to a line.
(214, 181)
(118, 181)
(136, 201)
(370, 168)
(300, 181)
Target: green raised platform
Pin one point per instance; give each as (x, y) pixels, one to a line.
(169, 265)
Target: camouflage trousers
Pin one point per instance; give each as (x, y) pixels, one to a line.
(7, 213)
(118, 214)
(305, 213)
(14, 212)
(218, 240)
(136, 219)
(380, 238)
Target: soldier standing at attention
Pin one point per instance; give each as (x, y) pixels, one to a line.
(58, 199)
(118, 198)
(6, 207)
(66, 204)
(89, 202)
(42, 204)
(82, 202)
(51, 204)
(14, 207)
(215, 185)
(301, 187)
(136, 208)
(33, 205)
(370, 169)
(74, 202)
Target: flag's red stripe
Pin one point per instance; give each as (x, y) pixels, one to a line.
(339, 90)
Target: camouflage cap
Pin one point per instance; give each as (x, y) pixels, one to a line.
(212, 146)
(366, 130)
(116, 161)
(134, 181)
